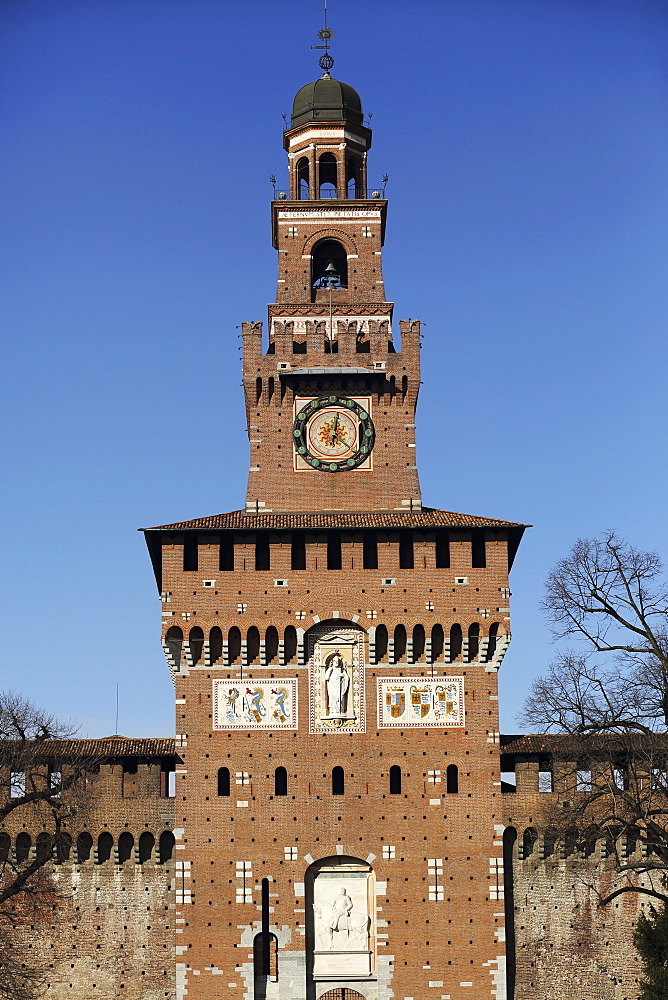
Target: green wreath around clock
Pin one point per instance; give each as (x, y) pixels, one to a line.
(333, 433)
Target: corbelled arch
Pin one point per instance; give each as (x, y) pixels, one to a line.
(340, 235)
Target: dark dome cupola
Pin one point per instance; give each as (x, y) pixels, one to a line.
(327, 100)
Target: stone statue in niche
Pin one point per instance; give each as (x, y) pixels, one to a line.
(339, 926)
(337, 681)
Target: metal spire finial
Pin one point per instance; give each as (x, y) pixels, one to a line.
(325, 34)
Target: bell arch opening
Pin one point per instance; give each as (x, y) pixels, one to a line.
(329, 265)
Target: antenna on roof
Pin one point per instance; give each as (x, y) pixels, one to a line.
(325, 34)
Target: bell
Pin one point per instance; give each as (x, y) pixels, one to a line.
(332, 275)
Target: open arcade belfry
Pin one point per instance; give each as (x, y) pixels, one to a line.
(335, 644)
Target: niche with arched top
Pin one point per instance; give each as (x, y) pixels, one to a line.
(126, 844)
(105, 844)
(455, 642)
(22, 847)
(196, 643)
(166, 846)
(146, 845)
(174, 640)
(395, 780)
(326, 253)
(340, 918)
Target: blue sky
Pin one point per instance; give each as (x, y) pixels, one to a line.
(527, 148)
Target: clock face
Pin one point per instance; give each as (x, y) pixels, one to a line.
(333, 434)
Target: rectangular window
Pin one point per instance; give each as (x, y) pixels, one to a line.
(442, 550)
(334, 550)
(55, 783)
(406, 550)
(226, 553)
(545, 780)
(478, 553)
(370, 550)
(508, 782)
(262, 556)
(17, 784)
(389, 851)
(619, 779)
(290, 853)
(298, 551)
(190, 554)
(583, 780)
(167, 777)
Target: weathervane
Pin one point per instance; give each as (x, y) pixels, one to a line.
(325, 34)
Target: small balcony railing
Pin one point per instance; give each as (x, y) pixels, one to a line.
(376, 193)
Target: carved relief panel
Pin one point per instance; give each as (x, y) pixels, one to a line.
(336, 680)
(342, 925)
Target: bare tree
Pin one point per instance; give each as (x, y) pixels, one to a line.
(608, 700)
(42, 782)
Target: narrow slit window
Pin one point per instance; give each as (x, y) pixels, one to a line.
(452, 780)
(338, 781)
(442, 550)
(280, 781)
(224, 781)
(262, 557)
(190, 554)
(334, 550)
(370, 550)
(478, 553)
(298, 551)
(226, 554)
(395, 780)
(406, 560)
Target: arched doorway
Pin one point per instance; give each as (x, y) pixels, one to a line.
(342, 993)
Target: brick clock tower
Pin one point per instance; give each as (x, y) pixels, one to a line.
(335, 645)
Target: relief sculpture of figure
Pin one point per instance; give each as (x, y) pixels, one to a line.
(342, 929)
(338, 682)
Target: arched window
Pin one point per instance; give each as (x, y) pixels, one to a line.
(326, 253)
(196, 643)
(436, 643)
(174, 640)
(327, 176)
(125, 844)
(22, 847)
(493, 637)
(146, 845)
(395, 780)
(455, 642)
(258, 388)
(529, 842)
(271, 644)
(381, 644)
(353, 179)
(43, 846)
(452, 779)
(474, 642)
(338, 781)
(234, 645)
(223, 781)
(290, 644)
(105, 845)
(302, 179)
(215, 645)
(84, 847)
(280, 781)
(166, 846)
(252, 645)
(418, 643)
(399, 643)
(404, 385)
